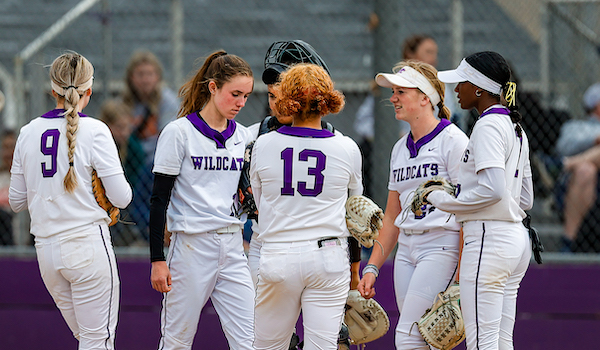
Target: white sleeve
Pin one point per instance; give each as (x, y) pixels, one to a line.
(490, 187)
(105, 157)
(118, 190)
(254, 178)
(17, 193)
(456, 150)
(356, 183)
(170, 150)
(526, 202)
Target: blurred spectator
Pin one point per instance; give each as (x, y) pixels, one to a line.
(153, 105)
(422, 47)
(118, 117)
(120, 122)
(579, 144)
(9, 139)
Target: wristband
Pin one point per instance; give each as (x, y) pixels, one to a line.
(372, 269)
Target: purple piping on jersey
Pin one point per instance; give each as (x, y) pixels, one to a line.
(304, 132)
(413, 147)
(219, 137)
(58, 113)
(495, 111)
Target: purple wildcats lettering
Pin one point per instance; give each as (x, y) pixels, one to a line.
(217, 163)
(415, 172)
(197, 162)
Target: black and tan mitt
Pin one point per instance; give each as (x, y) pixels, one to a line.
(365, 318)
(248, 205)
(364, 219)
(103, 202)
(419, 199)
(442, 325)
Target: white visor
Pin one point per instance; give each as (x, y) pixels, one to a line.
(409, 77)
(80, 89)
(465, 72)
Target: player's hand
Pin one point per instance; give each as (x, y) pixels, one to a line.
(365, 286)
(160, 277)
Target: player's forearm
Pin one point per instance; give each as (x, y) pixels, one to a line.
(161, 193)
(490, 189)
(388, 237)
(118, 190)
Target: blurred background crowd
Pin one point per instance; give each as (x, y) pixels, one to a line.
(143, 50)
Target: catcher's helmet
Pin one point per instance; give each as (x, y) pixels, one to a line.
(282, 54)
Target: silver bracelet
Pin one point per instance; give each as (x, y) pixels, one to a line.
(372, 269)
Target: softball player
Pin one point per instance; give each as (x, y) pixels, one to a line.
(280, 56)
(427, 253)
(51, 176)
(197, 168)
(495, 188)
(301, 176)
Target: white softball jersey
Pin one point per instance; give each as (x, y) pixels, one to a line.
(301, 178)
(41, 157)
(494, 143)
(208, 165)
(412, 163)
(254, 129)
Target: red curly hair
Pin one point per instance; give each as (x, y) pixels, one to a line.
(306, 92)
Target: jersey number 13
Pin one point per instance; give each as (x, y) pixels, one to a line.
(287, 155)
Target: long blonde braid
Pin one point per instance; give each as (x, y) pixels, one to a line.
(71, 76)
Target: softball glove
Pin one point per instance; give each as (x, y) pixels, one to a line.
(442, 325)
(103, 202)
(244, 190)
(364, 219)
(365, 318)
(419, 199)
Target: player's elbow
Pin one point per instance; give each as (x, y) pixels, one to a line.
(123, 199)
(496, 195)
(526, 204)
(17, 200)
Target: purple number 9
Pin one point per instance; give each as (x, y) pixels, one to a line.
(49, 147)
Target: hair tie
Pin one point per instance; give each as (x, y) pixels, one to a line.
(511, 94)
(70, 163)
(71, 86)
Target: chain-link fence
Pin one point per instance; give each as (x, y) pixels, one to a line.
(551, 45)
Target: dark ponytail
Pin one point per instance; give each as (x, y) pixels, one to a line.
(509, 92)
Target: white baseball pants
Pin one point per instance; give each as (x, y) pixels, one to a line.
(301, 276)
(423, 267)
(79, 270)
(207, 265)
(495, 258)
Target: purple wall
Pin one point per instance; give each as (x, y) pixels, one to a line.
(558, 308)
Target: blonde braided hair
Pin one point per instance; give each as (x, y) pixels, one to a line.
(71, 75)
